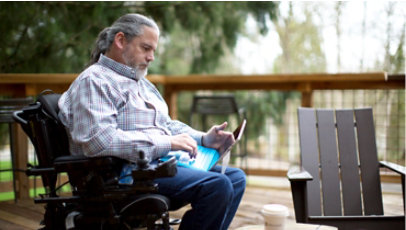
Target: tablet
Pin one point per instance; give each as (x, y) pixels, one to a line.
(206, 157)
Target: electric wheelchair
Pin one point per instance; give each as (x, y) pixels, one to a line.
(97, 199)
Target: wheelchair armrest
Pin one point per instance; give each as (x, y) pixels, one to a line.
(167, 168)
(149, 172)
(298, 174)
(36, 171)
(69, 163)
(394, 167)
(18, 118)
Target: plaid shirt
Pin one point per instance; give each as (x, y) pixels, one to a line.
(109, 111)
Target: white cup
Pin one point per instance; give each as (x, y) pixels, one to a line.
(275, 216)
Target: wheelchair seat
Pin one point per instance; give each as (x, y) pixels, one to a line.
(97, 200)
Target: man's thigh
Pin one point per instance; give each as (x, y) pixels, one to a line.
(185, 183)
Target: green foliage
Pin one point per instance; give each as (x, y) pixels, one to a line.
(301, 53)
(397, 61)
(301, 45)
(51, 36)
(3, 134)
(44, 37)
(197, 34)
(395, 135)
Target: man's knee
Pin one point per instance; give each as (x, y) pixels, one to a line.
(222, 186)
(238, 177)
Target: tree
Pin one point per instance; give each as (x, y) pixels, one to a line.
(58, 36)
(198, 33)
(363, 33)
(300, 43)
(389, 12)
(51, 36)
(395, 63)
(338, 7)
(398, 59)
(301, 53)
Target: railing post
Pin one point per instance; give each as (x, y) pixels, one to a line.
(20, 147)
(307, 95)
(307, 99)
(171, 97)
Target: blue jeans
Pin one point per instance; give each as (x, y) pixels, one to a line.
(214, 197)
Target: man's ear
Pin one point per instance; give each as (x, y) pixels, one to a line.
(119, 40)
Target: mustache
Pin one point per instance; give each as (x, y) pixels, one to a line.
(143, 65)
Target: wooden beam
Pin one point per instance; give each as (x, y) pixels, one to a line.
(20, 150)
(171, 99)
(32, 84)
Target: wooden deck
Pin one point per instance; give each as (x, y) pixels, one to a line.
(260, 190)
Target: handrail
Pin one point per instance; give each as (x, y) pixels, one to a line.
(32, 84)
(233, 80)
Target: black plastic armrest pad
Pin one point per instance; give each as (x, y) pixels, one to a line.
(82, 162)
(394, 167)
(298, 173)
(39, 171)
(64, 159)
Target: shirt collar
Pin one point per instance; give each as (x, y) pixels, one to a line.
(118, 67)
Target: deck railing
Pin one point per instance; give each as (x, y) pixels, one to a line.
(312, 87)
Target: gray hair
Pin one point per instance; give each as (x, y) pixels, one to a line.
(130, 24)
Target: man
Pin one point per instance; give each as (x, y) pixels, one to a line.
(112, 109)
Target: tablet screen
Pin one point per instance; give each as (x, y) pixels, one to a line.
(239, 130)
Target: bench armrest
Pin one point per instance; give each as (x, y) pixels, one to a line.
(298, 173)
(298, 178)
(394, 167)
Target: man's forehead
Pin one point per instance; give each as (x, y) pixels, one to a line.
(150, 36)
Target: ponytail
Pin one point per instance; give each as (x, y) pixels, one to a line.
(101, 46)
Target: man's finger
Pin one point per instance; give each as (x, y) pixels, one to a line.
(193, 154)
(221, 127)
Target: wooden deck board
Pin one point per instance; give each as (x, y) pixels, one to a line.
(26, 215)
(10, 226)
(18, 220)
(24, 209)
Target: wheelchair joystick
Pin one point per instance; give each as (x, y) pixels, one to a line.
(145, 173)
(142, 161)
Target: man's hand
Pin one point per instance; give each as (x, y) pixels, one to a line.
(184, 142)
(217, 138)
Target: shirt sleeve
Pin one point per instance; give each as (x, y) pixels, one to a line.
(178, 127)
(94, 125)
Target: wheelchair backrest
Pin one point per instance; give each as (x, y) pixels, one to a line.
(41, 123)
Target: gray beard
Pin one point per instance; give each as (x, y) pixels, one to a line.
(141, 73)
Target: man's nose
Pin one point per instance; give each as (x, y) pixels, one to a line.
(150, 57)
